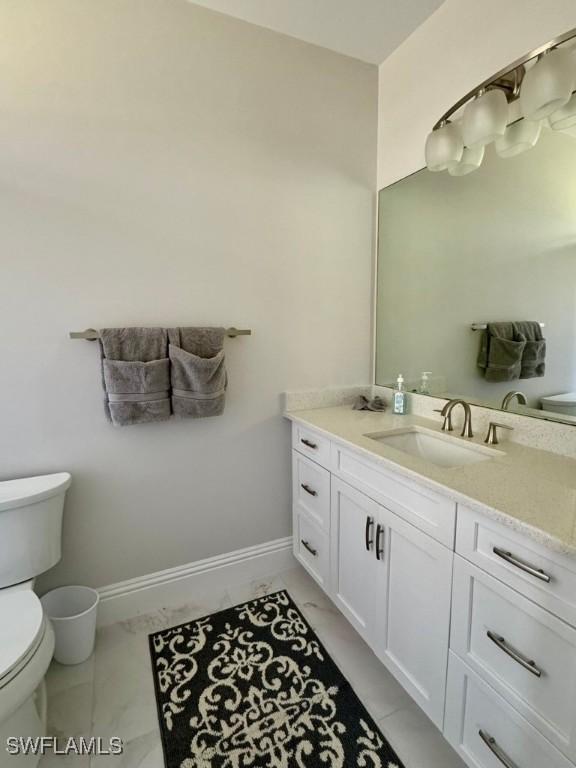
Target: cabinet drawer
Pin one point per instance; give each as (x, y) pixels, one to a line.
(546, 577)
(429, 511)
(311, 444)
(311, 548)
(521, 650)
(472, 708)
(311, 489)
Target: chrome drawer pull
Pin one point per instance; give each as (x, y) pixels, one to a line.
(307, 546)
(514, 654)
(513, 560)
(379, 548)
(308, 443)
(496, 750)
(368, 533)
(308, 489)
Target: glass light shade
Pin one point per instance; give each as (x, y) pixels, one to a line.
(471, 160)
(443, 147)
(485, 118)
(519, 137)
(548, 85)
(565, 117)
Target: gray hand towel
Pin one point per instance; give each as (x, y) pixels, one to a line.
(534, 355)
(501, 351)
(135, 375)
(363, 404)
(197, 371)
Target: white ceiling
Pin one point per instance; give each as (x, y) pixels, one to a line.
(366, 29)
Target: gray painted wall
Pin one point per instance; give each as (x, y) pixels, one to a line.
(163, 164)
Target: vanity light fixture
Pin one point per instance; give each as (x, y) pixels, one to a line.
(471, 160)
(444, 147)
(519, 137)
(565, 117)
(508, 109)
(485, 118)
(548, 85)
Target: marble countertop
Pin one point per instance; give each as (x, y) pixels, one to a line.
(529, 490)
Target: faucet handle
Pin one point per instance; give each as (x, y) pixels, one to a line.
(447, 425)
(492, 435)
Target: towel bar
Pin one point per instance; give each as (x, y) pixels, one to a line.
(91, 334)
(484, 326)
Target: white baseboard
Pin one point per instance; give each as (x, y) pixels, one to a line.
(176, 586)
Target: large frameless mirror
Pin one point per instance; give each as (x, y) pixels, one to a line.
(477, 282)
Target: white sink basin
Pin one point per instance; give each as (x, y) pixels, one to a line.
(437, 448)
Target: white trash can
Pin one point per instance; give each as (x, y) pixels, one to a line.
(72, 611)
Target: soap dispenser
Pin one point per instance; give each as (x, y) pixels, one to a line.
(424, 383)
(399, 396)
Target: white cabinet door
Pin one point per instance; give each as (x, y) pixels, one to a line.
(353, 530)
(413, 612)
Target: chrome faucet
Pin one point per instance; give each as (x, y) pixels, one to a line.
(447, 413)
(520, 396)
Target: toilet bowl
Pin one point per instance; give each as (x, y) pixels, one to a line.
(30, 543)
(26, 649)
(564, 403)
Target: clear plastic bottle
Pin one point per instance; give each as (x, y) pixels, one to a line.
(424, 383)
(399, 396)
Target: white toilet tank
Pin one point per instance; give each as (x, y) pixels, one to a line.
(30, 526)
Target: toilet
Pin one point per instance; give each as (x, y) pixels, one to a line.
(565, 403)
(30, 543)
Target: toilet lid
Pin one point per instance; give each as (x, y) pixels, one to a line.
(22, 627)
(567, 399)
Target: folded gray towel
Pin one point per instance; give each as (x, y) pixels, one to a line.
(363, 404)
(197, 371)
(135, 375)
(534, 355)
(501, 351)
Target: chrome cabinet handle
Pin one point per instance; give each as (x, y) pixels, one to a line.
(538, 573)
(496, 750)
(308, 489)
(379, 548)
(368, 532)
(514, 654)
(308, 443)
(310, 549)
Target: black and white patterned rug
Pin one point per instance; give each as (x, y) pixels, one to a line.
(253, 687)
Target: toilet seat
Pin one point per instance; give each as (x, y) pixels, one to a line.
(22, 629)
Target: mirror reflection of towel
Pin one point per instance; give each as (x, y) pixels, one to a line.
(501, 351)
(513, 350)
(534, 356)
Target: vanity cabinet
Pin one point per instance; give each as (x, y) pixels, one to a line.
(393, 584)
(390, 579)
(476, 620)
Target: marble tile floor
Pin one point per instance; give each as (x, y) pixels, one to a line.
(112, 693)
